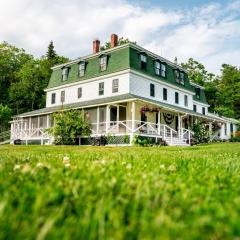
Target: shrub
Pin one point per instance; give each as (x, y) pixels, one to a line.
(201, 134)
(68, 126)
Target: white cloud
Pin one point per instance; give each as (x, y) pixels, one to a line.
(208, 34)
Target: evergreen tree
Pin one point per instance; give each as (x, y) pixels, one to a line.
(51, 53)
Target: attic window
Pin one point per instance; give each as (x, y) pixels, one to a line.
(103, 63)
(179, 76)
(197, 91)
(157, 68)
(65, 72)
(81, 69)
(143, 59)
(163, 70)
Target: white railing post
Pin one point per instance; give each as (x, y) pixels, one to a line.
(164, 132)
(133, 121)
(159, 120)
(189, 137)
(171, 136)
(107, 118)
(98, 117)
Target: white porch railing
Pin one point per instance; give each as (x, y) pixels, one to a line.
(134, 127)
(29, 134)
(186, 134)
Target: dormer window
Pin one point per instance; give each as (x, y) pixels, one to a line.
(65, 74)
(197, 91)
(160, 69)
(103, 63)
(157, 68)
(179, 76)
(143, 59)
(81, 69)
(163, 70)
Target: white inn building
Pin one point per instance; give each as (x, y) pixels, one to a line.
(125, 90)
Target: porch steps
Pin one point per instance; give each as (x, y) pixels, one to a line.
(176, 142)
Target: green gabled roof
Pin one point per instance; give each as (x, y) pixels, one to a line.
(118, 60)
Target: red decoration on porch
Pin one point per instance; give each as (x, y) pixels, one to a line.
(148, 109)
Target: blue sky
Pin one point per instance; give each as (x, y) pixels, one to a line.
(208, 31)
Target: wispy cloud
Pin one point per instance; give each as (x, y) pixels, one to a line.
(209, 33)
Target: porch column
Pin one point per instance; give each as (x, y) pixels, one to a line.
(107, 118)
(179, 125)
(98, 118)
(47, 125)
(118, 118)
(159, 122)
(133, 110)
(210, 128)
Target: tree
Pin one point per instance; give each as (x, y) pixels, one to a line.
(5, 117)
(229, 91)
(68, 126)
(11, 61)
(51, 53)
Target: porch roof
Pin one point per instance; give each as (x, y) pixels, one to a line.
(178, 109)
(114, 99)
(100, 101)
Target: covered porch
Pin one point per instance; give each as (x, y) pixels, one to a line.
(122, 119)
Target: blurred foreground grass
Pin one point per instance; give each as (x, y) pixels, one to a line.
(120, 192)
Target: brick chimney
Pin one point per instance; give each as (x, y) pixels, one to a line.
(114, 40)
(96, 46)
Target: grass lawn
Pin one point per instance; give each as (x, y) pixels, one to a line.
(120, 192)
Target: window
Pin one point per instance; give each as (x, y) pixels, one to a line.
(81, 69)
(143, 59)
(197, 91)
(185, 100)
(115, 85)
(53, 98)
(79, 92)
(163, 70)
(103, 63)
(176, 97)
(203, 111)
(177, 76)
(160, 69)
(165, 94)
(194, 108)
(65, 74)
(152, 90)
(157, 68)
(62, 96)
(181, 78)
(101, 88)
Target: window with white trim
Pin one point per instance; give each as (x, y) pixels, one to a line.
(62, 96)
(53, 98)
(157, 68)
(115, 83)
(81, 69)
(101, 88)
(163, 70)
(185, 100)
(194, 108)
(152, 90)
(143, 59)
(203, 110)
(65, 74)
(181, 78)
(79, 92)
(176, 97)
(103, 63)
(165, 94)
